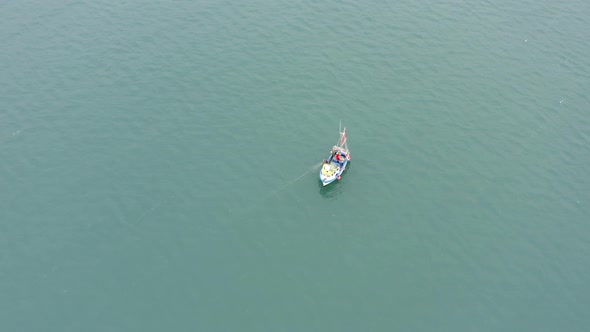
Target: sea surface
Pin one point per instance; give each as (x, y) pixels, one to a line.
(159, 165)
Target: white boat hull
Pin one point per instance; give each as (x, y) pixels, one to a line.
(335, 165)
(332, 171)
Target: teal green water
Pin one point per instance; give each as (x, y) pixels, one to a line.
(159, 166)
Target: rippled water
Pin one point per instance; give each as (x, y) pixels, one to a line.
(159, 166)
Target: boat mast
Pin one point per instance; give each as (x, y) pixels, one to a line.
(339, 131)
(342, 140)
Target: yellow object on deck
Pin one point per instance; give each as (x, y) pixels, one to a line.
(329, 170)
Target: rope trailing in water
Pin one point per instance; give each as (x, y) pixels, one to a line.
(314, 167)
(276, 191)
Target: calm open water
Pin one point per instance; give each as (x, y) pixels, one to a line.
(159, 165)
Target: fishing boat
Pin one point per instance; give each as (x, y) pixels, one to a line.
(335, 165)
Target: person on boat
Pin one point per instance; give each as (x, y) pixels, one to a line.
(338, 157)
